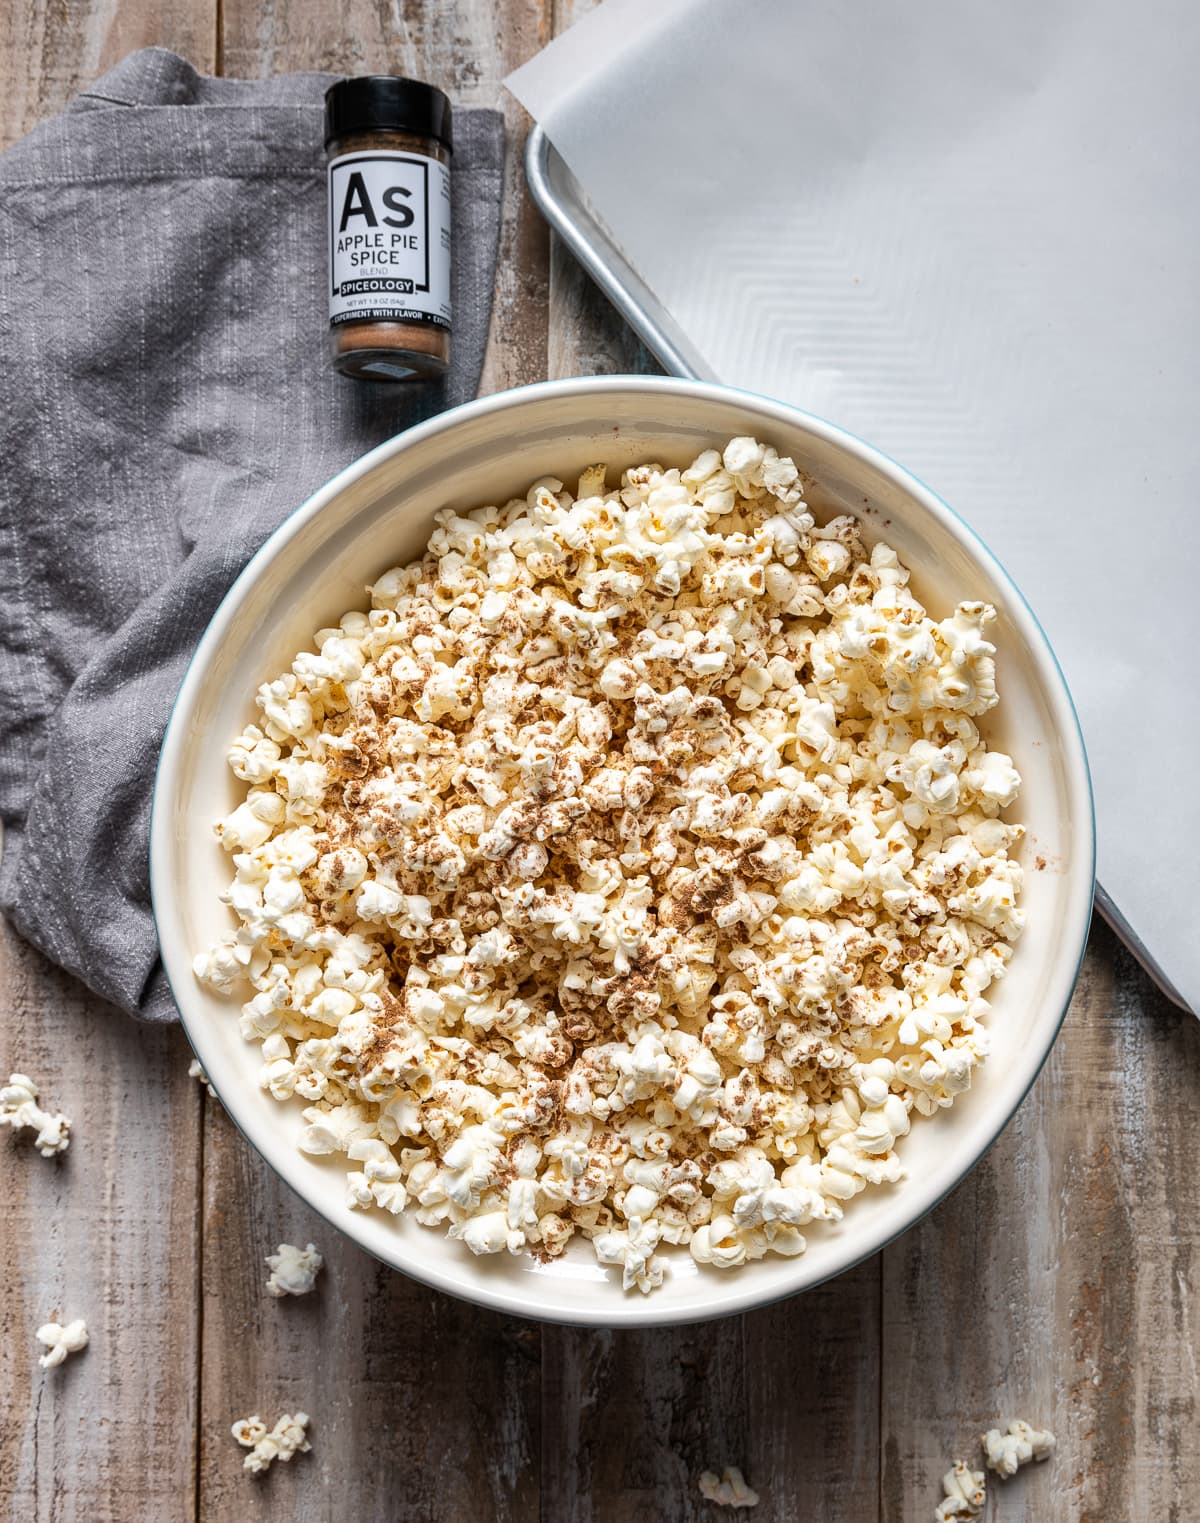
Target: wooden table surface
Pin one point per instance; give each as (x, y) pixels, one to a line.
(1057, 1283)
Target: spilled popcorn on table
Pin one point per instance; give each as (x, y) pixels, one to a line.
(20, 1111)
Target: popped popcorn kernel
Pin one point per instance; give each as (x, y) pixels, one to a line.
(1007, 1452)
(965, 1493)
(19, 1109)
(294, 1270)
(289, 1436)
(729, 1489)
(60, 1340)
(196, 1071)
(634, 869)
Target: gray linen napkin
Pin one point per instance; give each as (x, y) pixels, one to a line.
(166, 401)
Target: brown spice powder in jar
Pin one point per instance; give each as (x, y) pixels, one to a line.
(389, 145)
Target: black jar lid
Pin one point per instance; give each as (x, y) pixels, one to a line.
(386, 103)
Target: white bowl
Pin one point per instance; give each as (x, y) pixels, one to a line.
(378, 513)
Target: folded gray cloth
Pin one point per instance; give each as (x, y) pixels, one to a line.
(167, 400)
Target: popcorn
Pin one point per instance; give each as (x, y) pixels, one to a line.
(20, 1111)
(633, 1249)
(379, 1182)
(249, 1431)
(729, 1489)
(634, 869)
(294, 1271)
(287, 1437)
(61, 1341)
(195, 1071)
(1007, 1452)
(966, 1492)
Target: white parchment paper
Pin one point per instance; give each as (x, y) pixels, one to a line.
(970, 234)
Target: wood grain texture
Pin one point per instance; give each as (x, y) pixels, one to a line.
(789, 1394)
(586, 335)
(107, 1232)
(423, 1408)
(1057, 1283)
(50, 48)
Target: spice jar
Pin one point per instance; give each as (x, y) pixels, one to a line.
(389, 146)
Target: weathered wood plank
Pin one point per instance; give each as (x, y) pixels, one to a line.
(813, 1377)
(50, 48)
(1057, 1283)
(422, 1408)
(631, 1419)
(586, 336)
(789, 1394)
(107, 1232)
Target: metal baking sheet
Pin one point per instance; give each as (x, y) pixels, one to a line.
(565, 207)
(564, 204)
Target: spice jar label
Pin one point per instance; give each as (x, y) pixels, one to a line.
(389, 239)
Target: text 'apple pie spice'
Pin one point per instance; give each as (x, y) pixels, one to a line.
(389, 146)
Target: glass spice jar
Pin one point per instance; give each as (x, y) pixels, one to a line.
(389, 144)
